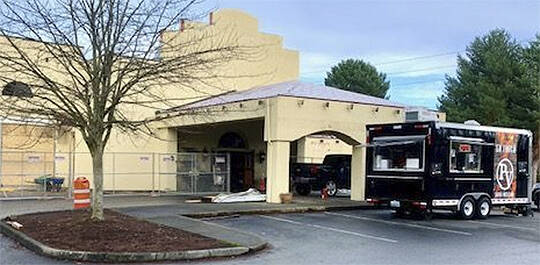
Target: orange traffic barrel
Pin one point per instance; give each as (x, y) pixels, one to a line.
(81, 193)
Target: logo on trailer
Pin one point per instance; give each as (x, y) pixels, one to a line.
(505, 174)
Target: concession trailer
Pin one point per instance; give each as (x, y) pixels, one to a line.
(416, 167)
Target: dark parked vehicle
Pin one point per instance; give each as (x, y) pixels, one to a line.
(536, 195)
(465, 168)
(334, 173)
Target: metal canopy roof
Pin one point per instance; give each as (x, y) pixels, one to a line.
(291, 89)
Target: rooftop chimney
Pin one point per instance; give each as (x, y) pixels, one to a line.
(182, 25)
(211, 18)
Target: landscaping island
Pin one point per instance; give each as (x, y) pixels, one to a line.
(119, 238)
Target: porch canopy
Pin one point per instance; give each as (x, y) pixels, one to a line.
(289, 111)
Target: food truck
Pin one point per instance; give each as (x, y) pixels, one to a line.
(417, 167)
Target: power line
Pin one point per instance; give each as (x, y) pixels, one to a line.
(418, 58)
(422, 70)
(414, 58)
(415, 83)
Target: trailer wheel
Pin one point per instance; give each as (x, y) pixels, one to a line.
(467, 208)
(483, 208)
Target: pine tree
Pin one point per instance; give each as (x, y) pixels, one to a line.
(493, 85)
(358, 76)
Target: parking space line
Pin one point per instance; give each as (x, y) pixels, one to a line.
(329, 229)
(402, 224)
(504, 226)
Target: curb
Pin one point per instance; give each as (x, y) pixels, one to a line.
(304, 209)
(88, 256)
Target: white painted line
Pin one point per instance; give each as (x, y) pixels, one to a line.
(330, 229)
(505, 226)
(402, 224)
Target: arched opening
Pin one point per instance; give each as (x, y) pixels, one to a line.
(241, 161)
(232, 140)
(324, 158)
(17, 89)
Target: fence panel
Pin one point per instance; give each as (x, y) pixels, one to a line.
(47, 174)
(29, 174)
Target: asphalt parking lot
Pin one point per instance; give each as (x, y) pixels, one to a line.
(377, 237)
(368, 237)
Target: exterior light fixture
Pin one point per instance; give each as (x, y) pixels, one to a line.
(262, 156)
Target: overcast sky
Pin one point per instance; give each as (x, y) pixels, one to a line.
(383, 32)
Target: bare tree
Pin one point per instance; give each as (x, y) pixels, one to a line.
(83, 64)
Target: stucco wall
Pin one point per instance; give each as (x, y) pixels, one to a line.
(27, 153)
(313, 149)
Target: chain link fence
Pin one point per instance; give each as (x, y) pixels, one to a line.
(48, 174)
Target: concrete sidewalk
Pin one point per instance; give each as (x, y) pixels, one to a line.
(203, 210)
(146, 206)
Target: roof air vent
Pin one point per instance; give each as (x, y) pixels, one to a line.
(471, 122)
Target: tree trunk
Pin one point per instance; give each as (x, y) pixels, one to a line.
(97, 192)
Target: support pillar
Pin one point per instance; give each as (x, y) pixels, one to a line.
(277, 169)
(358, 173)
(165, 171)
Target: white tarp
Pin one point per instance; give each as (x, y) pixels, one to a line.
(251, 195)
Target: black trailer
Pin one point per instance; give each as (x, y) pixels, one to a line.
(421, 166)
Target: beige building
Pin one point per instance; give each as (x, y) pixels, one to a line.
(242, 123)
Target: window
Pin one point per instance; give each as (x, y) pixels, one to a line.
(232, 140)
(401, 153)
(465, 156)
(17, 89)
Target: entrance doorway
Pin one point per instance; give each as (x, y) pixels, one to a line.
(241, 171)
(241, 166)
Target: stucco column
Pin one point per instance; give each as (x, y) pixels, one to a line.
(164, 177)
(277, 169)
(358, 173)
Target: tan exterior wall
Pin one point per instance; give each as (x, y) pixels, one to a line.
(27, 152)
(313, 149)
(264, 61)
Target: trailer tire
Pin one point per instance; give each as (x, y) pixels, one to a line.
(483, 208)
(467, 208)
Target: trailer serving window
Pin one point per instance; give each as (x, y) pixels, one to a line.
(399, 153)
(466, 155)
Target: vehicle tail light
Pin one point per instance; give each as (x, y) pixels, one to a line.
(421, 205)
(372, 201)
(313, 170)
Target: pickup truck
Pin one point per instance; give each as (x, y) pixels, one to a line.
(334, 173)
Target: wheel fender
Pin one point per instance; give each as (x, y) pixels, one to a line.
(474, 195)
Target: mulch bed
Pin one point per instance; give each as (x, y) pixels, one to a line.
(73, 230)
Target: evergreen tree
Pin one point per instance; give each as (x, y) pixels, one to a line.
(358, 76)
(493, 84)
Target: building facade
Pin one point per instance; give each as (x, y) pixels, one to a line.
(254, 111)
